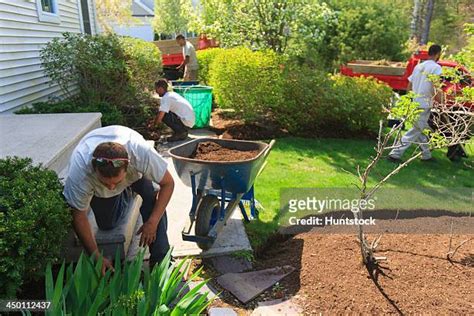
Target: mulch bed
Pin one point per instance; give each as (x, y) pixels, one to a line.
(229, 127)
(419, 278)
(330, 278)
(212, 151)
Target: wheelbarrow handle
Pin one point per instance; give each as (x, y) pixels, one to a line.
(267, 150)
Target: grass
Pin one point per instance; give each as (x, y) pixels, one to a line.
(328, 163)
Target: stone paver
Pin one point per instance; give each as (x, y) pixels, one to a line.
(212, 292)
(221, 311)
(230, 264)
(245, 286)
(277, 307)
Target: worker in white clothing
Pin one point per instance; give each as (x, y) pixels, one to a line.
(424, 91)
(190, 62)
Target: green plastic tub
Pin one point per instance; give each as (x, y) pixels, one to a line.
(200, 98)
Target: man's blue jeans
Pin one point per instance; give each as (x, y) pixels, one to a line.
(108, 212)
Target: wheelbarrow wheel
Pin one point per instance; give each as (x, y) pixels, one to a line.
(206, 217)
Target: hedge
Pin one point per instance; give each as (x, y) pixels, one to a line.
(303, 100)
(246, 81)
(34, 221)
(205, 59)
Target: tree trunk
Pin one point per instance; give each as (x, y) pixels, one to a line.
(415, 20)
(426, 26)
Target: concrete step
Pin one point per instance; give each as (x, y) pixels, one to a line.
(48, 139)
(109, 241)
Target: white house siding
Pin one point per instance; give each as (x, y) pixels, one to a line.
(22, 35)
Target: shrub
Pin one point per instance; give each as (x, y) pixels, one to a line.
(34, 220)
(143, 60)
(110, 114)
(356, 104)
(246, 81)
(303, 100)
(86, 291)
(106, 68)
(205, 58)
(336, 106)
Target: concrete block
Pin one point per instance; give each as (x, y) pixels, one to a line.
(48, 139)
(109, 241)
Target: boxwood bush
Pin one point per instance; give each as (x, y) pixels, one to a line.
(356, 104)
(318, 104)
(248, 82)
(205, 59)
(34, 220)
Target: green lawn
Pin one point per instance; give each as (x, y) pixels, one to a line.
(326, 163)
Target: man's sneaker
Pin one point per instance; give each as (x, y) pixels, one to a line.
(177, 137)
(393, 159)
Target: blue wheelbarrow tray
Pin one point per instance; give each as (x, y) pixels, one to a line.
(227, 181)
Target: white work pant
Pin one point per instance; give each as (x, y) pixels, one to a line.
(415, 135)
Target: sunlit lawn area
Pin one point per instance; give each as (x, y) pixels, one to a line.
(326, 163)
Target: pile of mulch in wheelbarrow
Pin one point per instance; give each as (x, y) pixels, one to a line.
(212, 151)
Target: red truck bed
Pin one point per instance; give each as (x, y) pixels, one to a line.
(396, 82)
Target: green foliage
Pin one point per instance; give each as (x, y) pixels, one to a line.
(265, 24)
(248, 82)
(305, 91)
(466, 55)
(205, 59)
(357, 103)
(34, 221)
(365, 30)
(110, 114)
(110, 72)
(143, 62)
(84, 291)
(300, 99)
(171, 16)
(337, 106)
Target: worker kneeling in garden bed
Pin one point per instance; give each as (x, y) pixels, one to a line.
(175, 111)
(107, 165)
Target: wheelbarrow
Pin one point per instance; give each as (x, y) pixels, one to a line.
(218, 187)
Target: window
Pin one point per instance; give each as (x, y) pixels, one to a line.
(86, 20)
(48, 11)
(47, 6)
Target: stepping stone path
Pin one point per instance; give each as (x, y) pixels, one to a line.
(230, 264)
(246, 286)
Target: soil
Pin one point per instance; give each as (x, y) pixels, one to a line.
(212, 151)
(416, 278)
(228, 126)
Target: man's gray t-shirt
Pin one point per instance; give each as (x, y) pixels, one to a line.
(82, 182)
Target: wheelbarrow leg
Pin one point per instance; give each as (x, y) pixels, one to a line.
(244, 212)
